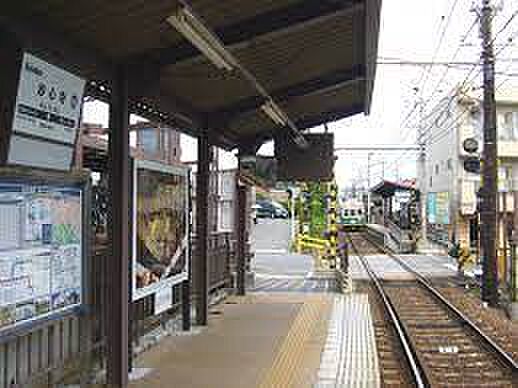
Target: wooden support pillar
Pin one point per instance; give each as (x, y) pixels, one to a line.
(117, 331)
(11, 56)
(186, 305)
(385, 211)
(241, 239)
(200, 268)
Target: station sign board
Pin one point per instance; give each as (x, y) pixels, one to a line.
(46, 116)
(42, 248)
(160, 227)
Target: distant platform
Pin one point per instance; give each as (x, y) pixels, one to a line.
(385, 267)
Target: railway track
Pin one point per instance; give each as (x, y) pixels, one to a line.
(440, 345)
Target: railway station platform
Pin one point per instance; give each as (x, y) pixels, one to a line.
(283, 339)
(254, 341)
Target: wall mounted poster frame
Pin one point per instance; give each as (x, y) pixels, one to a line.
(161, 248)
(44, 227)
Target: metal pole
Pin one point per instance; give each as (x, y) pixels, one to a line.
(117, 331)
(369, 187)
(293, 217)
(241, 239)
(514, 261)
(489, 168)
(200, 267)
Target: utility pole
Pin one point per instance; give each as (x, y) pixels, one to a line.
(489, 190)
(421, 171)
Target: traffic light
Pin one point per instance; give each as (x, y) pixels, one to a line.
(472, 161)
(472, 164)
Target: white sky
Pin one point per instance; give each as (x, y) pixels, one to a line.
(410, 31)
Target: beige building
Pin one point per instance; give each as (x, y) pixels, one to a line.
(450, 192)
(157, 142)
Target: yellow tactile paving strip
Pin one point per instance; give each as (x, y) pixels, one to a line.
(297, 352)
(267, 340)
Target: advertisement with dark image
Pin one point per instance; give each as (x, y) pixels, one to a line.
(160, 227)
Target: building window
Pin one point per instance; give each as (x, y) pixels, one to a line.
(450, 164)
(148, 140)
(164, 140)
(431, 181)
(436, 169)
(507, 123)
(505, 177)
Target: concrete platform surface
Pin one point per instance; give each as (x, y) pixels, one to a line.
(253, 341)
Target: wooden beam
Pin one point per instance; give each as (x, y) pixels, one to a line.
(335, 79)
(200, 265)
(52, 46)
(10, 65)
(297, 15)
(117, 359)
(302, 124)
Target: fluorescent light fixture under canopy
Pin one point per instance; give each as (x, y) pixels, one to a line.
(274, 113)
(202, 38)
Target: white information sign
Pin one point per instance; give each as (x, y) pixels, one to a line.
(48, 103)
(163, 299)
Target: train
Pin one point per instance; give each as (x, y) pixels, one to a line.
(352, 214)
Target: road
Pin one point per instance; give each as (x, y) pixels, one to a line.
(275, 267)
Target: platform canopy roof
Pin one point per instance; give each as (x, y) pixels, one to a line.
(388, 188)
(316, 59)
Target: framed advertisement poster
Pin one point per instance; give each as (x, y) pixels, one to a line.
(42, 247)
(160, 227)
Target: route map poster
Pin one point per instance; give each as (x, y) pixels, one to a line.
(160, 254)
(40, 251)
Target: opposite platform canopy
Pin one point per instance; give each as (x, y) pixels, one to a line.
(388, 188)
(316, 59)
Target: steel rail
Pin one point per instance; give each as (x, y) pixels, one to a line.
(420, 379)
(504, 357)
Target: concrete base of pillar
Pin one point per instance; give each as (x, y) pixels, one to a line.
(513, 311)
